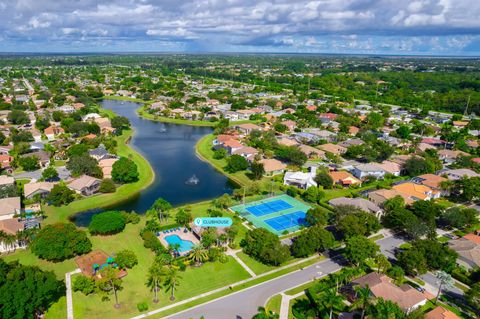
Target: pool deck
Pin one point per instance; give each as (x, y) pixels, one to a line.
(184, 236)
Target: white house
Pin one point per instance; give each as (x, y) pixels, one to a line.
(364, 170)
(301, 179)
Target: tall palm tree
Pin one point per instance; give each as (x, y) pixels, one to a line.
(162, 207)
(364, 296)
(172, 280)
(155, 276)
(331, 300)
(198, 254)
(444, 280)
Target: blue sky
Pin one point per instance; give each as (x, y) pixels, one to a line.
(439, 27)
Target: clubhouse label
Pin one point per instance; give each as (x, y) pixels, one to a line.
(213, 222)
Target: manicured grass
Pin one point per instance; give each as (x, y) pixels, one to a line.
(26, 257)
(59, 163)
(274, 303)
(301, 288)
(443, 239)
(256, 266)
(235, 288)
(376, 237)
(124, 192)
(143, 113)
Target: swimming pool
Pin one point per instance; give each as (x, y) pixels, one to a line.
(185, 245)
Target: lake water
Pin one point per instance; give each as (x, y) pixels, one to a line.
(170, 150)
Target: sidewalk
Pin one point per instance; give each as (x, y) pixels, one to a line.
(68, 283)
(211, 292)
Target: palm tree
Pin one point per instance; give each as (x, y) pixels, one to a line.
(264, 313)
(162, 207)
(198, 254)
(444, 280)
(110, 282)
(363, 296)
(173, 249)
(155, 275)
(171, 281)
(331, 300)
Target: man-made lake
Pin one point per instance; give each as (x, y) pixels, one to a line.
(170, 150)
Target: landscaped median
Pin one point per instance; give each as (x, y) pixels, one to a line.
(124, 192)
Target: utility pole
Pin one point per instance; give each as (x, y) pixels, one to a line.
(466, 107)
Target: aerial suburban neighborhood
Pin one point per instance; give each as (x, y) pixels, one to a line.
(239, 159)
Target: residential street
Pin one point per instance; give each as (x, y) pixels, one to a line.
(244, 304)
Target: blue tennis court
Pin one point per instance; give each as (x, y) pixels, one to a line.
(268, 207)
(282, 222)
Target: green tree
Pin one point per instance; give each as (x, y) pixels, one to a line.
(183, 217)
(161, 207)
(198, 254)
(317, 216)
(385, 309)
(125, 171)
(172, 281)
(331, 300)
(18, 117)
(258, 170)
(444, 280)
(126, 259)
(473, 296)
(107, 186)
(265, 247)
(110, 282)
(107, 223)
(27, 291)
(412, 261)
(415, 166)
(154, 278)
(236, 163)
(219, 154)
(84, 164)
(358, 249)
(60, 195)
(363, 299)
(29, 163)
(324, 179)
(60, 241)
(50, 173)
(382, 263)
(84, 284)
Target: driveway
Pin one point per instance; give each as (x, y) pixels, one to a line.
(388, 245)
(432, 286)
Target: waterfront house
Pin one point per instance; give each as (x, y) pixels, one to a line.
(364, 170)
(273, 166)
(360, 203)
(85, 185)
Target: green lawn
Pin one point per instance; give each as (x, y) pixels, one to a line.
(146, 177)
(256, 266)
(274, 303)
(195, 280)
(301, 288)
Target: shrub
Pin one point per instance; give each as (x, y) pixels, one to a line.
(142, 306)
(107, 186)
(84, 284)
(107, 223)
(60, 241)
(151, 241)
(126, 259)
(131, 218)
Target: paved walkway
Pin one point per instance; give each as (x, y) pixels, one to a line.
(180, 314)
(233, 253)
(285, 305)
(68, 282)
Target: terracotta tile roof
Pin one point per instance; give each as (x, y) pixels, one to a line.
(473, 237)
(343, 177)
(332, 148)
(432, 180)
(414, 190)
(271, 165)
(441, 313)
(11, 226)
(381, 286)
(232, 143)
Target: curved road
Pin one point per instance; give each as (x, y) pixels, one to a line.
(244, 304)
